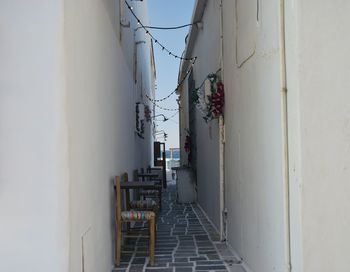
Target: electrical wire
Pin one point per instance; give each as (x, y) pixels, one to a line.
(173, 115)
(177, 87)
(170, 28)
(155, 40)
(163, 108)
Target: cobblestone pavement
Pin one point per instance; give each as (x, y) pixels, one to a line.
(186, 242)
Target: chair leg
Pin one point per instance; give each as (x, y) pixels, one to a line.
(118, 246)
(128, 227)
(152, 230)
(160, 199)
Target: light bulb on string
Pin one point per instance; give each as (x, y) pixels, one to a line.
(148, 33)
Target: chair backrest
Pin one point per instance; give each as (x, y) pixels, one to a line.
(135, 175)
(125, 178)
(118, 198)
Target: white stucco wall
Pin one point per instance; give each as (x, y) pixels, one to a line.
(34, 197)
(183, 122)
(67, 121)
(253, 147)
(318, 133)
(207, 49)
(101, 117)
(318, 82)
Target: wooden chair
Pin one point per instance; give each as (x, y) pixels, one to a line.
(122, 217)
(138, 204)
(152, 194)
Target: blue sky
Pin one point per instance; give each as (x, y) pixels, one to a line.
(169, 13)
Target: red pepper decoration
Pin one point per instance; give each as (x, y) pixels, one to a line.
(188, 144)
(218, 100)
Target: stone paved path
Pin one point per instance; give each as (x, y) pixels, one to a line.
(186, 242)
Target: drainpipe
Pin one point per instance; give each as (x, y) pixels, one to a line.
(284, 117)
(222, 139)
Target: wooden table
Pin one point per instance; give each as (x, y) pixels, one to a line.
(155, 168)
(148, 176)
(145, 185)
(148, 185)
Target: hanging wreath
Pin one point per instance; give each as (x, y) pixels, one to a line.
(214, 97)
(218, 100)
(140, 124)
(188, 144)
(142, 130)
(137, 115)
(148, 113)
(187, 147)
(195, 97)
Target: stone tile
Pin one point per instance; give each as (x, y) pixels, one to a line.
(138, 261)
(209, 262)
(184, 242)
(122, 266)
(201, 258)
(181, 260)
(136, 268)
(159, 270)
(210, 267)
(183, 269)
(158, 264)
(181, 264)
(213, 257)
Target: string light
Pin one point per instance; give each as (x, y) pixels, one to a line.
(177, 87)
(162, 108)
(165, 117)
(169, 118)
(155, 40)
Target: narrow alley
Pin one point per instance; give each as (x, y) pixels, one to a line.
(221, 128)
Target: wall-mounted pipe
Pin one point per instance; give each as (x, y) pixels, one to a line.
(284, 120)
(222, 137)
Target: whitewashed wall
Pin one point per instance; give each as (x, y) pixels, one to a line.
(67, 104)
(183, 124)
(318, 137)
(207, 49)
(34, 196)
(253, 149)
(318, 81)
(101, 115)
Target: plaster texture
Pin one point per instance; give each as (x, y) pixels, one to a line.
(67, 121)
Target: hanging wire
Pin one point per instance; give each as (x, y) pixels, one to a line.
(177, 87)
(169, 118)
(155, 40)
(163, 108)
(175, 122)
(170, 28)
(160, 107)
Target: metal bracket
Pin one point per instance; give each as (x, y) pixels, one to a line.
(199, 25)
(124, 23)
